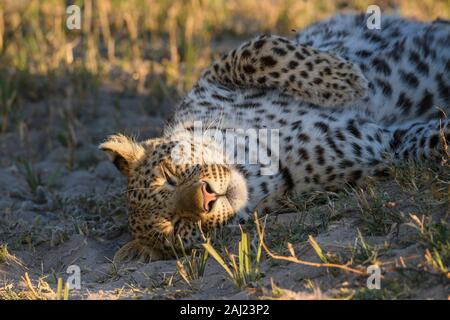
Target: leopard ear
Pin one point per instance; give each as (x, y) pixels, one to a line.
(123, 151)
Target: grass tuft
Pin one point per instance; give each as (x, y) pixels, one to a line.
(242, 269)
(191, 267)
(378, 213)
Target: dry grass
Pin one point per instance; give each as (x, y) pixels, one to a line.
(155, 46)
(8, 258)
(27, 290)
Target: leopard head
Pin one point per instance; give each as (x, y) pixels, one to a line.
(173, 203)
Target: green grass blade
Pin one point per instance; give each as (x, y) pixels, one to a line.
(205, 257)
(239, 281)
(317, 249)
(59, 289)
(218, 258)
(66, 291)
(247, 256)
(241, 258)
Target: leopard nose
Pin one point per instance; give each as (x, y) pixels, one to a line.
(209, 196)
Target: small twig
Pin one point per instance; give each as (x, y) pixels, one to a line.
(293, 257)
(386, 263)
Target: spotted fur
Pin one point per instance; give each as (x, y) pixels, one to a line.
(347, 101)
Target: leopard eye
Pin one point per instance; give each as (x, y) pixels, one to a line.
(168, 175)
(170, 180)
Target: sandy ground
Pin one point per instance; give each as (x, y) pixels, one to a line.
(76, 215)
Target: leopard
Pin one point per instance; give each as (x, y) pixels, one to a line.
(342, 101)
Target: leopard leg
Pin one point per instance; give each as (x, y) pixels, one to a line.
(304, 72)
(134, 250)
(422, 141)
